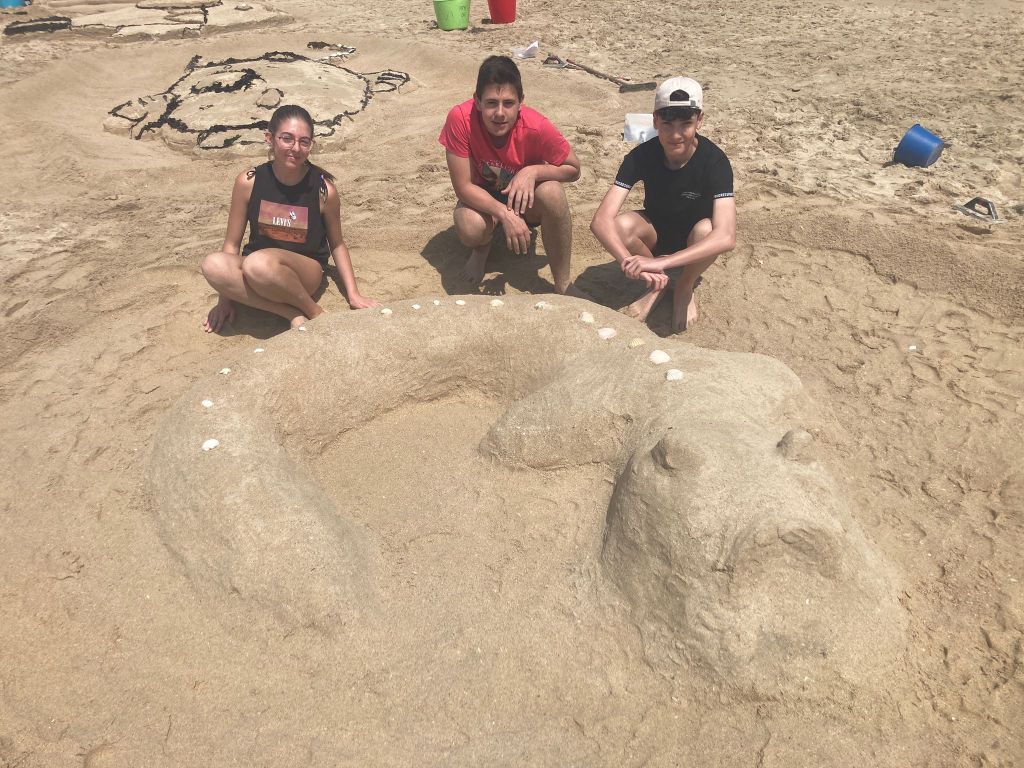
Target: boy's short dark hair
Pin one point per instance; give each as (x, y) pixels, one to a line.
(668, 114)
(498, 70)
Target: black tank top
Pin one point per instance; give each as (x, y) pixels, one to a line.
(287, 217)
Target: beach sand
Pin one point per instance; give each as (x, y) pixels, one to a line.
(901, 317)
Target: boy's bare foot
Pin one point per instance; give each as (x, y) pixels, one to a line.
(476, 264)
(684, 310)
(642, 307)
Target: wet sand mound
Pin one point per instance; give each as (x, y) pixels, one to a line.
(735, 555)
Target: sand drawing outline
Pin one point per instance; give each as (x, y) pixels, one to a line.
(147, 115)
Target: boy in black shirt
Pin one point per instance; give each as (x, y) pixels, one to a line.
(689, 213)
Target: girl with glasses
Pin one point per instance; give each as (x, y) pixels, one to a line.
(293, 215)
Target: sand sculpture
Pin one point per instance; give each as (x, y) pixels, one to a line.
(149, 18)
(726, 539)
(219, 104)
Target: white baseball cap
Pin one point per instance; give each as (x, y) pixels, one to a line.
(679, 92)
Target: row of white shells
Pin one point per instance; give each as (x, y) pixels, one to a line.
(657, 356)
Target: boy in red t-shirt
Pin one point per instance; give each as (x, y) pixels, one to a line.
(507, 162)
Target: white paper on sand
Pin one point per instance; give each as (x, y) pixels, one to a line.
(639, 127)
(528, 52)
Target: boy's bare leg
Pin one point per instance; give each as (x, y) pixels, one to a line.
(639, 237)
(684, 303)
(475, 230)
(551, 208)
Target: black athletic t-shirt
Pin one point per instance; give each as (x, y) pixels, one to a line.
(288, 217)
(684, 195)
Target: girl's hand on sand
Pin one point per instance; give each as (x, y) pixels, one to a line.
(224, 312)
(356, 301)
(520, 190)
(517, 234)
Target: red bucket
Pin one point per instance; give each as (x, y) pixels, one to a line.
(502, 11)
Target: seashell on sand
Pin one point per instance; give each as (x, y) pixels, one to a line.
(302, 328)
(224, 371)
(437, 302)
(386, 311)
(607, 333)
(542, 305)
(258, 350)
(207, 403)
(658, 357)
(415, 306)
(210, 444)
(637, 342)
(497, 303)
(460, 302)
(673, 374)
(586, 317)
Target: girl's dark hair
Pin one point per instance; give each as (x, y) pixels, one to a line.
(294, 111)
(287, 112)
(498, 70)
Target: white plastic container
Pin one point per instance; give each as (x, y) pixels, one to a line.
(639, 127)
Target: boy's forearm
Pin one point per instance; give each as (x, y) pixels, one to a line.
(564, 173)
(711, 246)
(606, 235)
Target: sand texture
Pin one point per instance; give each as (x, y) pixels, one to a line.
(480, 534)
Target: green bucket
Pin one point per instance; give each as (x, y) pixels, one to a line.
(451, 14)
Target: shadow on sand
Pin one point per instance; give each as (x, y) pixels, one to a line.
(448, 256)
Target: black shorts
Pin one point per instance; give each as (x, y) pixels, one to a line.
(672, 234)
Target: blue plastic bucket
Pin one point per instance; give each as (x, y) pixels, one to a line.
(918, 147)
(13, 3)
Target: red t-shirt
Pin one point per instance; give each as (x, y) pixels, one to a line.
(533, 141)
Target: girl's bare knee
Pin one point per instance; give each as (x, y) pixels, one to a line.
(257, 266)
(217, 267)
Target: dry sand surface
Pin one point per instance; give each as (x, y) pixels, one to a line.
(487, 607)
